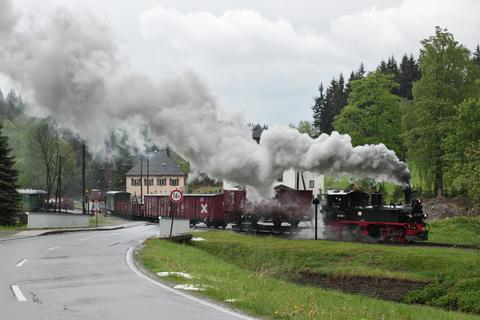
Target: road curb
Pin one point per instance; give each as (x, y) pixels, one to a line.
(79, 230)
(60, 231)
(17, 238)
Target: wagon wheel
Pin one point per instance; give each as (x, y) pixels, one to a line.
(401, 235)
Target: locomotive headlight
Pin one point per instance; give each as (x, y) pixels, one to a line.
(410, 216)
(359, 213)
(425, 215)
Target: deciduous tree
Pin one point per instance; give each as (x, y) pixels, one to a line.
(448, 77)
(372, 114)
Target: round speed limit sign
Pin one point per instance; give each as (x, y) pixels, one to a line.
(176, 196)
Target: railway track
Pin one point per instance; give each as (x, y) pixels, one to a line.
(446, 245)
(413, 243)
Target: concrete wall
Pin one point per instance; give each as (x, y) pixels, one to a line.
(57, 220)
(180, 226)
(379, 287)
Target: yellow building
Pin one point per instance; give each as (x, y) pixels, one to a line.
(155, 174)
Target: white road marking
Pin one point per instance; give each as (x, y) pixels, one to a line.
(18, 293)
(52, 248)
(84, 239)
(21, 262)
(131, 265)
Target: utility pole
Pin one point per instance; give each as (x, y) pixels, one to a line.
(141, 180)
(59, 183)
(148, 175)
(83, 178)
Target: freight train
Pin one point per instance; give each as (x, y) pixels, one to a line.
(356, 215)
(282, 212)
(347, 214)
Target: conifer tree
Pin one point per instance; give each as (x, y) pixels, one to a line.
(318, 108)
(409, 73)
(390, 67)
(9, 197)
(382, 67)
(354, 75)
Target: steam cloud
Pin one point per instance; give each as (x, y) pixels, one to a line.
(70, 68)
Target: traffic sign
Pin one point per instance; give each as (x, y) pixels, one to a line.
(176, 196)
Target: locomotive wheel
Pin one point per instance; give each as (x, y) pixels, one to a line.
(374, 232)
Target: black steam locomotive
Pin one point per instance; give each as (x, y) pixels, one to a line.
(357, 215)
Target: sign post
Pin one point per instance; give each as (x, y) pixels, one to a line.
(316, 202)
(176, 196)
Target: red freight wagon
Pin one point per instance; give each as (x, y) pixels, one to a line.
(295, 204)
(122, 208)
(234, 200)
(195, 207)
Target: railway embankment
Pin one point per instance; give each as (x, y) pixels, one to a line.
(304, 279)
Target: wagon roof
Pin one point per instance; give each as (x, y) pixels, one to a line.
(160, 164)
(186, 195)
(115, 192)
(30, 191)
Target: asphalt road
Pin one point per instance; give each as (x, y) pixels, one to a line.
(90, 275)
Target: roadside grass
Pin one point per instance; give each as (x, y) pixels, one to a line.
(288, 257)
(459, 229)
(6, 231)
(454, 273)
(258, 293)
(13, 228)
(102, 220)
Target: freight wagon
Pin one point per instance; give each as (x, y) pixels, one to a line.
(118, 202)
(33, 200)
(195, 207)
(218, 210)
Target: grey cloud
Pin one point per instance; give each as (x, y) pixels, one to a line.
(77, 76)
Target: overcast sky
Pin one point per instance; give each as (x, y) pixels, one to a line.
(266, 59)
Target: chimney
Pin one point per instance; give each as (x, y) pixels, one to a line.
(257, 133)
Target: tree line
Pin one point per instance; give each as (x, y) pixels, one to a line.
(40, 149)
(427, 110)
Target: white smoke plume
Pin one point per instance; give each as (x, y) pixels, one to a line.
(70, 68)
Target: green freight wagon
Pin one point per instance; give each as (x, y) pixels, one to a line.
(33, 200)
(118, 202)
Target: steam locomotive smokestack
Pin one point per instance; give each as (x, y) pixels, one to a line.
(408, 194)
(77, 76)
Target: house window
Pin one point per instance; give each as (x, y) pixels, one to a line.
(135, 182)
(161, 181)
(147, 182)
(311, 184)
(174, 182)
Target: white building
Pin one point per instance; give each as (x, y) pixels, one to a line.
(305, 180)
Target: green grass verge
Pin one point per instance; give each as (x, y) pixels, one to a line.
(7, 228)
(459, 229)
(454, 272)
(102, 220)
(258, 293)
(288, 257)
